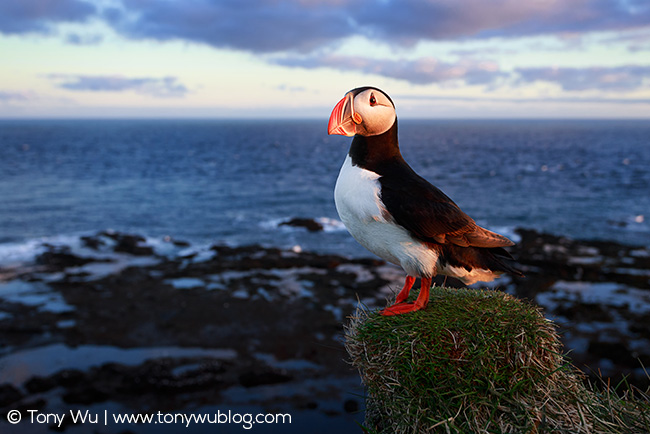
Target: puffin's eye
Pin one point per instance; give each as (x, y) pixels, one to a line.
(373, 101)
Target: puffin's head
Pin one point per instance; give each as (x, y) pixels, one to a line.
(366, 111)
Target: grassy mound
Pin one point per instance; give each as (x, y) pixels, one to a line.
(478, 362)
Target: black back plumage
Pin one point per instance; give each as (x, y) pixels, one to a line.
(426, 212)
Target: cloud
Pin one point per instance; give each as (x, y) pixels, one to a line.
(635, 41)
(272, 26)
(11, 96)
(258, 26)
(429, 70)
(414, 20)
(424, 70)
(621, 78)
(288, 88)
(83, 39)
(157, 87)
(481, 52)
(265, 26)
(536, 100)
(22, 16)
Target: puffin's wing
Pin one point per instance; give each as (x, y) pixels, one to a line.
(430, 215)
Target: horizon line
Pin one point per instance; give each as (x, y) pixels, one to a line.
(288, 118)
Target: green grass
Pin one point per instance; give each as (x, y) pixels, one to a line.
(479, 362)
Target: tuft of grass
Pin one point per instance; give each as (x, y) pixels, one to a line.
(479, 361)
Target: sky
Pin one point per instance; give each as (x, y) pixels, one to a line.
(297, 58)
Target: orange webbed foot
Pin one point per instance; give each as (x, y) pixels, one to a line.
(404, 293)
(400, 308)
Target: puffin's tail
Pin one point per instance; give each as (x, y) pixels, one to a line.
(498, 259)
(494, 259)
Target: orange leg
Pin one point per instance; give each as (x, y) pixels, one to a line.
(404, 293)
(420, 302)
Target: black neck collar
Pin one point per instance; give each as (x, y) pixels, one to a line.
(371, 153)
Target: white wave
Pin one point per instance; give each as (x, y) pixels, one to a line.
(13, 254)
(17, 256)
(25, 252)
(637, 223)
(274, 223)
(18, 253)
(329, 224)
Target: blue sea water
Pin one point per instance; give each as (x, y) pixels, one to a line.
(209, 181)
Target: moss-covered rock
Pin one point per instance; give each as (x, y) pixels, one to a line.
(478, 361)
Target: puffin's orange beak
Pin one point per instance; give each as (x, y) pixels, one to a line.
(343, 119)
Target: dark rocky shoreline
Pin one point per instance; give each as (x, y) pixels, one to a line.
(277, 317)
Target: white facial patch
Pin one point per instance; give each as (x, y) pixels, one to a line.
(378, 116)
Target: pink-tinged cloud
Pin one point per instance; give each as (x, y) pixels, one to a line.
(298, 25)
(420, 71)
(266, 26)
(429, 70)
(415, 20)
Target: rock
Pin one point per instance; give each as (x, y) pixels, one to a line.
(69, 377)
(93, 242)
(40, 384)
(310, 224)
(286, 304)
(177, 243)
(87, 394)
(351, 406)
(253, 378)
(617, 352)
(9, 395)
(131, 244)
(584, 312)
(60, 258)
(562, 258)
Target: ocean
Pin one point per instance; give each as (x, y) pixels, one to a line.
(233, 182)
(100, 311)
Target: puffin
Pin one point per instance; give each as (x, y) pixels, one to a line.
(397, 214)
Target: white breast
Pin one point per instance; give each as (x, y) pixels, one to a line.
(358, 203)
